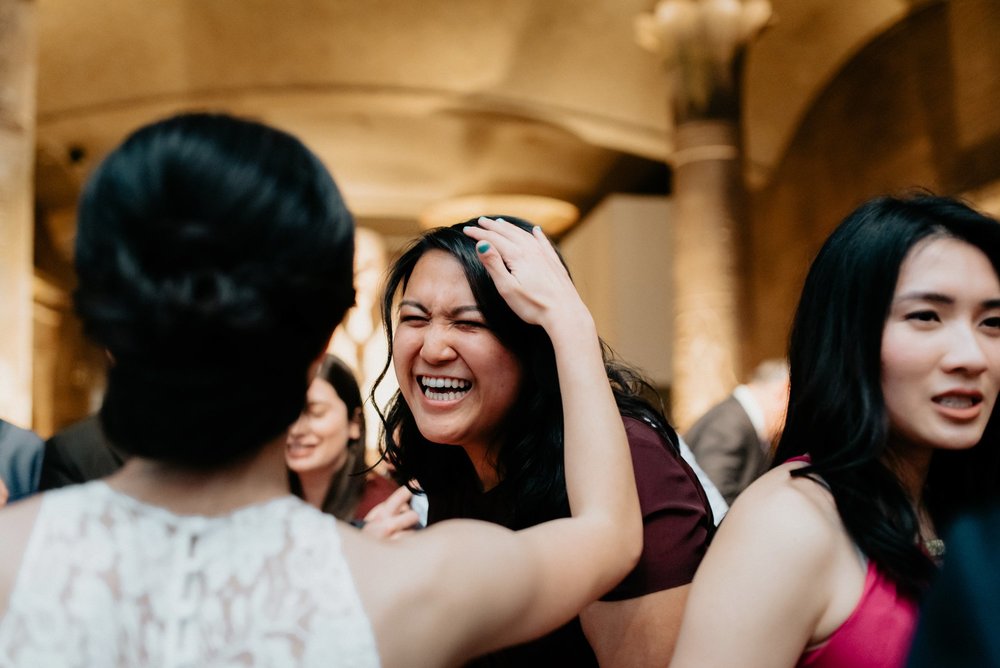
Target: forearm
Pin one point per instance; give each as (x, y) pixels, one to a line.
(635, 632)
(599, 478)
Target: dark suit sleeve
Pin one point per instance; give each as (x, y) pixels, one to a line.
(57, 469)
(79, 453)
(20, 459)
(961, 615)
(720, 441)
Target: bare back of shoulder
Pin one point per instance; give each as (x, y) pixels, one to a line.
(786, 567)
(805, 505)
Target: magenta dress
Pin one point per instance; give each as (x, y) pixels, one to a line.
(877, 634)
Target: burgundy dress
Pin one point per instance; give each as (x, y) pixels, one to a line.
(677, 526)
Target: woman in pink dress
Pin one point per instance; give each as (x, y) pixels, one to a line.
(895, 369)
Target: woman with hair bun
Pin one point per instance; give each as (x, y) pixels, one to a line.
(205, 244)
(891, 430)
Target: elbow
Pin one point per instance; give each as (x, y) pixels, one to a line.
(632, 545)
(624, 552)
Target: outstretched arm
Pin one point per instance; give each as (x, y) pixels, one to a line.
(468, 587)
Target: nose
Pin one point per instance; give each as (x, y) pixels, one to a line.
(437, 345)
(965, 352)
(298, 427)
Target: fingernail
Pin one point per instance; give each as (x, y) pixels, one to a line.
(483, 246)
(537, 228)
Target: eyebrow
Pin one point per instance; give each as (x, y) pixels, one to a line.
(938, 298)
(458, 310)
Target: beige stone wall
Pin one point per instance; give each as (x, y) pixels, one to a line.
(17, 119)
(620, 260)
(916, 108)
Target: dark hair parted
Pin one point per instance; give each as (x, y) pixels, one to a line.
(836, 410)
(215, 257)
(529, 460)
(348, 483)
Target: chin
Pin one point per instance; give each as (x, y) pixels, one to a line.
(957, 441)
(441, 438)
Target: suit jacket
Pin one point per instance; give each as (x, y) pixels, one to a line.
(959, 624)
(20, 460)
(79, 453)
(727, 448)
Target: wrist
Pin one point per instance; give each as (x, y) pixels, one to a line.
(571, 326)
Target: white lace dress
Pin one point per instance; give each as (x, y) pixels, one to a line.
(109, 581)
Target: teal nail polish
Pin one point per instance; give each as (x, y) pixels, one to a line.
(483, 246)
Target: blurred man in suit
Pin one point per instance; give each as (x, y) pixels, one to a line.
(20, 462)
(79, 453)
(732, 441)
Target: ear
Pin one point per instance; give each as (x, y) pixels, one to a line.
(354, 426)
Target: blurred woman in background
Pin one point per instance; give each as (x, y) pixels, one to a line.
(326, 448)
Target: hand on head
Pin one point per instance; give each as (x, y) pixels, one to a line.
(526, 270)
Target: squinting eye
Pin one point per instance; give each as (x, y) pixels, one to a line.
(922, 316)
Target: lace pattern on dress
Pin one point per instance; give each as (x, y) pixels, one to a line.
(107, 580)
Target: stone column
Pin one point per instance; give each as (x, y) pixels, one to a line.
(18, 71)
(701, 44)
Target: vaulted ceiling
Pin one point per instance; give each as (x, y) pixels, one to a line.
(413, 103)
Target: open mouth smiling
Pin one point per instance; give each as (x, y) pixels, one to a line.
(958, 400)
(299, 448)
(437, 388)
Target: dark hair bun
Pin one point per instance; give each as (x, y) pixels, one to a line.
(215, 257)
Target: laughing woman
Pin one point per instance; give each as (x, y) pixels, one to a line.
(895, 369)
(478, 424)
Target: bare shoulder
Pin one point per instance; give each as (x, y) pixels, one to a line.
(781, 528)
(774, 561)
(784, 507)
(16, 522)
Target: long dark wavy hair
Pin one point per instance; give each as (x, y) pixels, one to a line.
(205, 245)
(348, 483)
(529, 460)
(836, 410)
